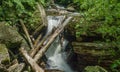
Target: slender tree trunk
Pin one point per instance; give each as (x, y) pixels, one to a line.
(27, 34)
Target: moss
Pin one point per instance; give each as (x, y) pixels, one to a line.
(2, 50)
(6, 61)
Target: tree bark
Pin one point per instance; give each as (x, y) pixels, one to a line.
(27, 34)
(37, 47)
(32, 63)
(43, 14)
(43, 17)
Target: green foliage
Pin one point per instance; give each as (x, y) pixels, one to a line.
(106, 11)
(13, 10)
(115, 65)
(105, 14)
(64, 2)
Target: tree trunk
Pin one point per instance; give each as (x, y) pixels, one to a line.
(32, 63)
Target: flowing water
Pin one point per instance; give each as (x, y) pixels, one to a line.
(56, 55)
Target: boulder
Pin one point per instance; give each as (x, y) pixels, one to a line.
(4, 55)
(10, 36)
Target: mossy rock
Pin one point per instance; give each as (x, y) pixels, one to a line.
(4, 55)
(94, 69)
(10, 36)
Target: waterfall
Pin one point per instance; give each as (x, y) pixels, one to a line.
(55, 54)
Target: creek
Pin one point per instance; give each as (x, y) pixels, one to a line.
(56, 54)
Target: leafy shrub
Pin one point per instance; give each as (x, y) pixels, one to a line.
(13, 10)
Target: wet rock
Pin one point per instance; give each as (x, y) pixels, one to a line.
(10, 36)
(94, 69)
(4, 55)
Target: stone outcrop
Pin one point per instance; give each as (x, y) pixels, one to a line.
(90, 54)
(10, 36)
(4, 55)
(93, 49)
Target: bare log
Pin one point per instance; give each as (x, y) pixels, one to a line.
(37, 47)
(51, 39)
(27, 34)
(43, 14)
(37, 40)
(43, 17)
(32, 63)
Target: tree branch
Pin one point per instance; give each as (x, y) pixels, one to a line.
(27, 34)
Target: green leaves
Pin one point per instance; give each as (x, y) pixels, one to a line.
(13, 10)
(115, 65)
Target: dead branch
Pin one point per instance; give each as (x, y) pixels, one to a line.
(32, 63)
(43, 14)
(37, 40)
(27, 34)
(33, 51)
(43, 17)
(51, 39)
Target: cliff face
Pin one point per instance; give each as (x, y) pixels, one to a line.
(90, 54)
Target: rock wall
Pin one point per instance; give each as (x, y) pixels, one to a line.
(91, 54)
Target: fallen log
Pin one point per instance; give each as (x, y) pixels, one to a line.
(38, 45)
(43, 17)
(37, 40)
(27, 34)
(32, 63)
(51, 39)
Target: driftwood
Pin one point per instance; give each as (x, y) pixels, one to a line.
(32, 63)
(27, 34)
(37, 40)
(37, 47)
(51, 39)
(43, 17)
(43, 14)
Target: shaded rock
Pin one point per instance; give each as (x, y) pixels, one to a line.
(3, 68)
(10, 36)
(16, 67)
(94, 69)
(93, 49)
(4, 55)
(91, 54)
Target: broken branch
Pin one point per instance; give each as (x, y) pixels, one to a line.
(27, 34)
